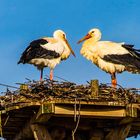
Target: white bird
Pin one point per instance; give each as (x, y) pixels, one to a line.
(110, 56)
(47, 52)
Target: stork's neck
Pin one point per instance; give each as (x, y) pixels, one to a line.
(64, 44)
(91, 41)
(66, 53)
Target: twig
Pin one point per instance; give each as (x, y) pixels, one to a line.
(75, 110)
(8, 86)
(77, 124)
(61, 78)
(6, 120)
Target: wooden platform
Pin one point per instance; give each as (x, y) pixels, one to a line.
(105, 117)
(57, 118)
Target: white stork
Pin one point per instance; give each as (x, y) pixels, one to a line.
(109, 56)
(47, 52)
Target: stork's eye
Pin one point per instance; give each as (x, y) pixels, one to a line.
(64, 35)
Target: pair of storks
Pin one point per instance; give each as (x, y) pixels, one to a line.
(109, 56)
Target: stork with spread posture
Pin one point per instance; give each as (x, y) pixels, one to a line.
(109, 56)
(47, 52)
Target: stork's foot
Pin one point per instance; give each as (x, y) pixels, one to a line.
(41, 79)
(113, 80)
(114, 83)
(41, 75)
(51, 75)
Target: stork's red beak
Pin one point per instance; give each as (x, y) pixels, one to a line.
(84, 38)
(69, 47)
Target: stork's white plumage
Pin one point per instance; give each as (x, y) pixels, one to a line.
(109, 56)
(47, 52)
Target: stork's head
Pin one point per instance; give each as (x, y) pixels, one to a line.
(93, 33)
(60, 35)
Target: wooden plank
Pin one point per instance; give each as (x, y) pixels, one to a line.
(102, 103)
(119, 133)
(38, 130)
(45, 112)
(60, 101)
(136, 124)
(45, 109)
(90, 112)
(19, 106)
(66, 109)
(131, 110)
(43, 118)
(94, 88)
(126, 120)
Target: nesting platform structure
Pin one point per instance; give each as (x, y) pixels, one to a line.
(66, 111)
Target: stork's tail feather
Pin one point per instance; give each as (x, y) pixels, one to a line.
(129, 46)
(133, 70)
(134, 52)
(21, 61)
(133, 66)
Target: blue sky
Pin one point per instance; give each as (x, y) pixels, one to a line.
(24, 21)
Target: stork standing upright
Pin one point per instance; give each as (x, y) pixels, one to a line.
(47, 52)
(109, 56)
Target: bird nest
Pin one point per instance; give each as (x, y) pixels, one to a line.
(48, 91)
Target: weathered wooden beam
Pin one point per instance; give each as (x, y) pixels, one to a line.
(126, 120)
(24, 133)
(40, 132)
(43, 115)
(127, 114)
(131, 110)
(94, 88)
(90, 112)
(119, 133)
(45, 112)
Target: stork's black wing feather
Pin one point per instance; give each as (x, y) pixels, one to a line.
(35, 50)
(129, 46)
(130, 60)
(38, 42)
(132, 50)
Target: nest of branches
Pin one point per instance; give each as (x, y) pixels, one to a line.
(63, 90)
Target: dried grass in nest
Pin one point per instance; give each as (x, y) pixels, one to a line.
(53, 90)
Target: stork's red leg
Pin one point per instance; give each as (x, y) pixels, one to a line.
(113, 80)
(41, 75)
(51, 74)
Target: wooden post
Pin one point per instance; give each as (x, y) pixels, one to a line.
(119, 133)
(94, 88)
(45, 112)
(25, 133)
(126, 120)
(24, 87)
(131, 110)
(40, 132)
(31, 129)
